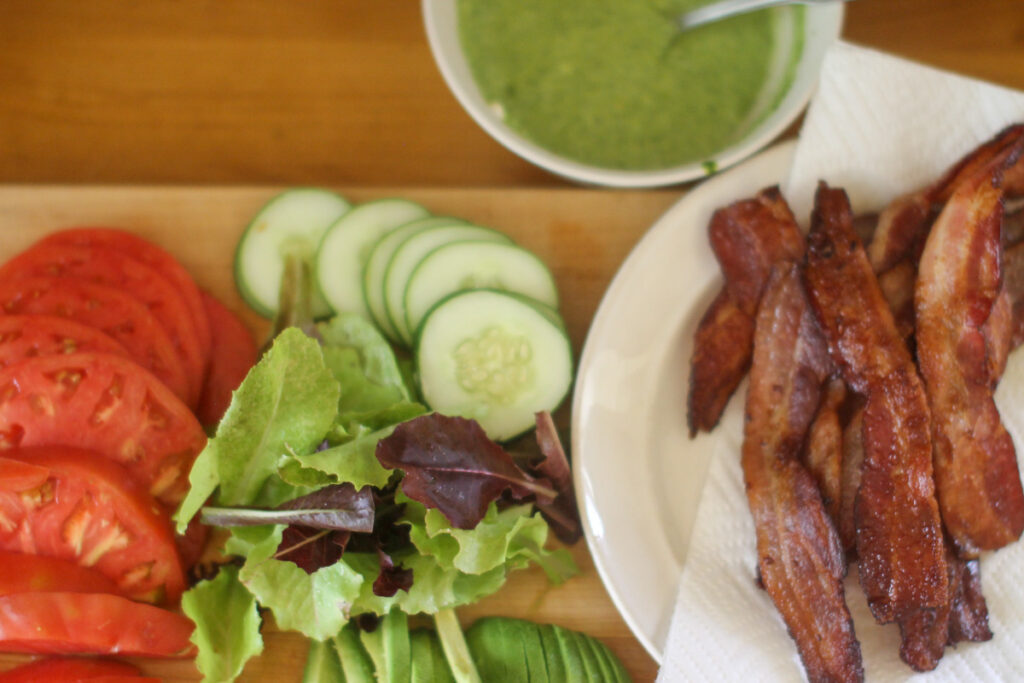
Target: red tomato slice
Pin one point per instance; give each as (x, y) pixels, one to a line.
(116, 269)
(106, 404)
(232, 355)
(92, 512)
(91, 623)
(150, 254)
(16, 477)
(69, 671)
(28, 336)
(21, 573)
(108, 309)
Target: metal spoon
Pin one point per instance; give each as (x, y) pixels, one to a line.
(727, 8)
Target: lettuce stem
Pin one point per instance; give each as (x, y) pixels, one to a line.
(453, 642)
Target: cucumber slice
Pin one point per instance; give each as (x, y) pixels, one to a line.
(493, 356)
(377, 264)
(410, 252)
(292, 221)
(346, 246)
(457, 266)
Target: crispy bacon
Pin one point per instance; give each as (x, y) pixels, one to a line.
(800, 560)
(1013, 281)
(898, 530)
(721, 357)
(823, 452)
(968, 615)
(960, 279)
(748, 238)
(853, 460)
(903, 225)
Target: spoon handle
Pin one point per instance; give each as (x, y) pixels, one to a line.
(727, 8)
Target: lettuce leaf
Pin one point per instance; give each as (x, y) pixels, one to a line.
(286, 404)
(227, 622)
(316, 605)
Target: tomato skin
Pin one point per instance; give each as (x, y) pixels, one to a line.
(92, 512)
(108, 309)
(21, 573)
(106, 404)
(149, 253)
(91, 623)
(68, 670)
(105, 266)
(28, 336)
(233, 353)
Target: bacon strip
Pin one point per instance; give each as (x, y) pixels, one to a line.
(899, 533)
(968, 616)
(1013, 281)
(904, 224)
(799, 557)
(721, 357)
(748, 238)
(960, 278)
(823, 453)
(853, 461)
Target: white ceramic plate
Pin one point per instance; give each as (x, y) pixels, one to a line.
(638, 474)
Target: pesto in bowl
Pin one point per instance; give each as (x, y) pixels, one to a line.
(615, 84)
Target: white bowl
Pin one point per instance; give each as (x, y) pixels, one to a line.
(822, 25)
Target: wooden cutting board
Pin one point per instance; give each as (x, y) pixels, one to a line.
(584, 235)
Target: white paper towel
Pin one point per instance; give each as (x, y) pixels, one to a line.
(880, 127)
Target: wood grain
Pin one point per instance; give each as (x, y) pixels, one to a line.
(584, 235)
(319, 91)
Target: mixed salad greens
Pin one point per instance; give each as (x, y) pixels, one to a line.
(346, 500)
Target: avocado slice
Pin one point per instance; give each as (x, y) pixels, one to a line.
(527, 634)
(591, 667)
(355, 662)
(620, 675)
(395, 627)
(421, 656)
(496, 657)
(442, 672)
(556, 663)
(322, 665)
(575, 671)
(601, 656)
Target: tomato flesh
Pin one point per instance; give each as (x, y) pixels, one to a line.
(90, 511)
(68, 671)
(28, 336)
(106, 404)
(233, 353)
(107, 309)
(91, 623)
(21, 573)
(116, 269)
(150, 254)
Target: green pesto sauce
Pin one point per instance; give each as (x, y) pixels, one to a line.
(613, 83)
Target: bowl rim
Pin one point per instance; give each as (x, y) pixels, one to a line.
(828, 19)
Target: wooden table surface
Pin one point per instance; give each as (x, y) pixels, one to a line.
(340, 93)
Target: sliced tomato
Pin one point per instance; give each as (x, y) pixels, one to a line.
(105, 266)
(232, 355)
(90, 511)
(22, 573)
(107, 404)
(22, 476)
(106, 308)
(91, 623)
(28, 336)
(150, 254)
(69, 671)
